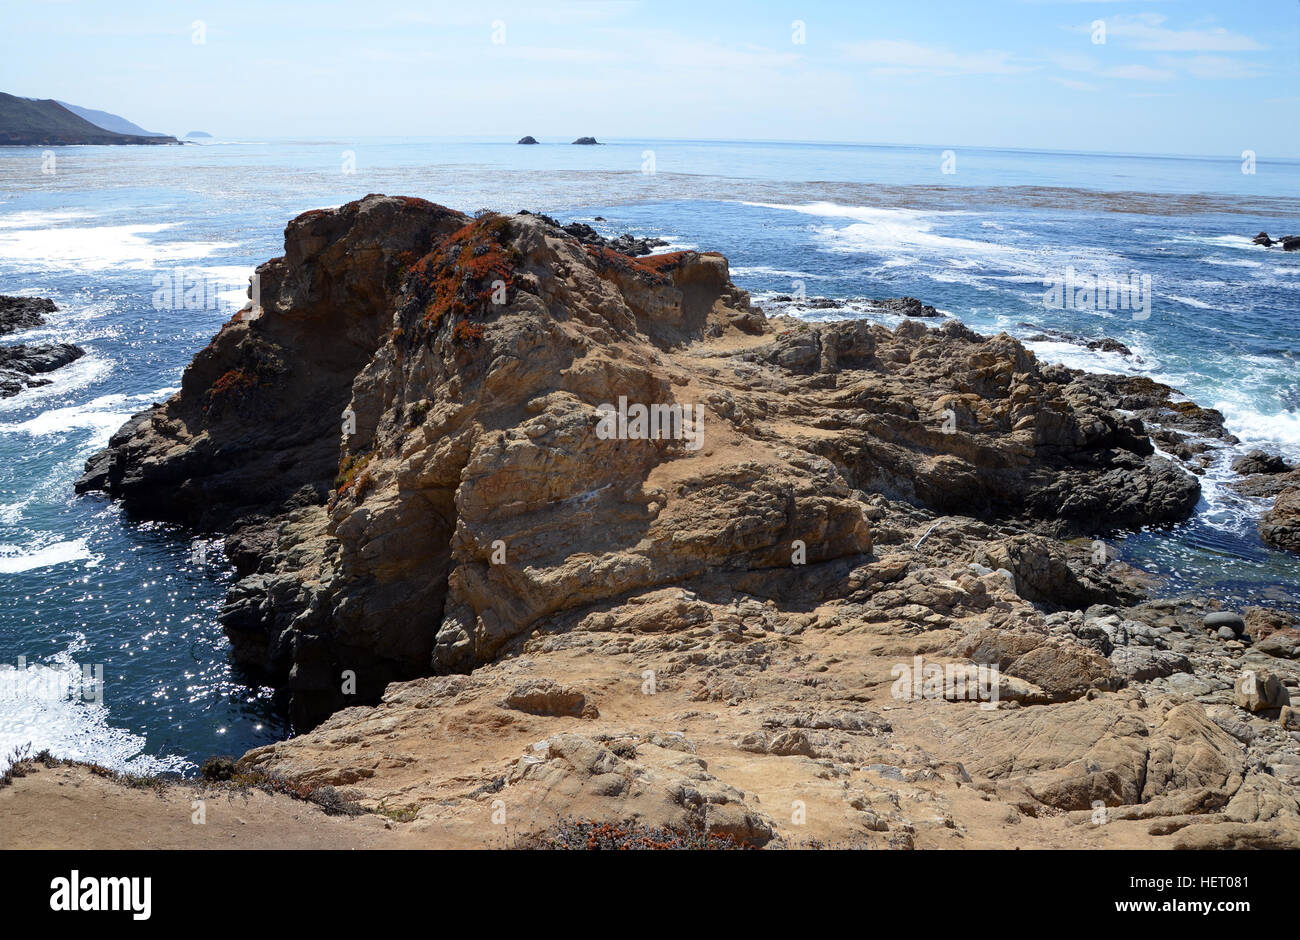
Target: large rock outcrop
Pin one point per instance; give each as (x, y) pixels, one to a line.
(1280, 526)
(406, 433)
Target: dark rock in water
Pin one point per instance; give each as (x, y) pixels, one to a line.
(1265, 485)
(1280, 526)
(623, 244)
(901, 306)
(1225, 618)
(1257, 461)
(527, 140)
(1105, 344)
(19, 363)
(631, 245)
(1288, 242)
(1154, 404)
(23, 313)
(907, 307)
(586, 141)
(813, 303)
(42, 357)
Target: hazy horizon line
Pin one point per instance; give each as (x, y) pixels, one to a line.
(507, 140)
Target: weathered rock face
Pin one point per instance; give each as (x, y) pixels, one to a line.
(470, 497)
(1280, 526)
(257, 416)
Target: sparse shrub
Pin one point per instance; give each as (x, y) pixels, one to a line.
(218, 768)
(588, 835)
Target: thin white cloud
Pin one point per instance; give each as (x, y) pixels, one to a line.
(1148, 32)
(1139, 73)
(896, 56)
(1074, 84)
(1213, 66)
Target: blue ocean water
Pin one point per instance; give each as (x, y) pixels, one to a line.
(113, 229)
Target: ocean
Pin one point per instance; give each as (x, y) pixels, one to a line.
(148, 250)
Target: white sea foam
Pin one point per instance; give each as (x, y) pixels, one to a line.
(81, 373)
(53, 706)
(35, 218)
(907, 237)
(76, 248)
(1232, 262)
(102, 416)
(751, 270)
(1191, 302)
(15, 559)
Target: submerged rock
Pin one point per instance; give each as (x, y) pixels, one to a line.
(21, 366)
(23, 313)
(1105, 344)
(1287, 242)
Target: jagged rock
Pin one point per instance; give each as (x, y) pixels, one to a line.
(23, 313)
(548, 697)
(1063, 671)
(1284, 644)
(907, 307)
(413, 410)
(1258, 691)
(1262, 621)
(1257, 461)
(1136, 664)
(785, 743)
(19, 365)
(1280, 526)
(1106, 344)
(1043, 573)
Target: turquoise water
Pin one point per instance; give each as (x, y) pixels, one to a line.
(80, 584)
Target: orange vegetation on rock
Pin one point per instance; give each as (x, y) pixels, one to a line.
(461, 275)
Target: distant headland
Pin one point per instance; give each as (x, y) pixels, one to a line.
(47, 123)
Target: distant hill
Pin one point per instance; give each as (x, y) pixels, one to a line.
(198, 134)
(110, 122)
(46, 123)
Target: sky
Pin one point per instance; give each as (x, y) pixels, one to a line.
(1163, 76)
